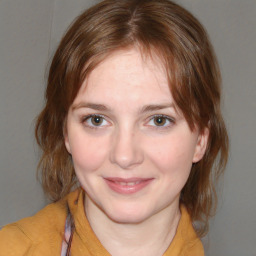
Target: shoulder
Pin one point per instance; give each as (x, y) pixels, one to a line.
(13, 241)
(31, 234)
(194, 249)
(185, 242)
(192, 243)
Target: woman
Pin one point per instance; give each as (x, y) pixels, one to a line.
(132, 118)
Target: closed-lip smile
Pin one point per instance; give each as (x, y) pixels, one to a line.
(127, 186)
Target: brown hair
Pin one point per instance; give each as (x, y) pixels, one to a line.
(155, 26)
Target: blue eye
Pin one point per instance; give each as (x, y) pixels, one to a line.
(160, 121)
(95, 121)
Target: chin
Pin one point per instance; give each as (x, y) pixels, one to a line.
(127, 216)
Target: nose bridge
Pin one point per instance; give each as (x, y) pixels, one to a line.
(126, 151)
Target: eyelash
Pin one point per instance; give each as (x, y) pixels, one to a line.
(171, 121)
(84, 120)
(167, 118)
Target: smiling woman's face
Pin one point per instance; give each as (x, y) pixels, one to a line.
(132, 151)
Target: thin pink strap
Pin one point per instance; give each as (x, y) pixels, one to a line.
(67, 235)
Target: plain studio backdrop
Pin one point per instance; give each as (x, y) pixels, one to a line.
(29, 33)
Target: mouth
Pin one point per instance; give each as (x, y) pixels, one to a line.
(127, 186)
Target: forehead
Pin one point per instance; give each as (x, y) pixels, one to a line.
(127, 74)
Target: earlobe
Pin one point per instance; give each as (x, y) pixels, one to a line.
(201, 145)
(65, 135)
(67, 144)
(66, 140)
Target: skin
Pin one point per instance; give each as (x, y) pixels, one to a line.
(129, 94)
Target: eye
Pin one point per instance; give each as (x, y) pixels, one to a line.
(160, 121)
(95, 121)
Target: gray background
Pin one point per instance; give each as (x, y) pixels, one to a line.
(29, 33)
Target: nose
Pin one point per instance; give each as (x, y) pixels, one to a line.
(126, 151)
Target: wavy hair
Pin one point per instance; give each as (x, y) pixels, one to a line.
(157, 27)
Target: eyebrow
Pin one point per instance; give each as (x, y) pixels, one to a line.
(144, 109)
(94, 106)
(154, 107)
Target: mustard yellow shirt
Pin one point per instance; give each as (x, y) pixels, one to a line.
(43, 233)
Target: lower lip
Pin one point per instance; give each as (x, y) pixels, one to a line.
(127, 189)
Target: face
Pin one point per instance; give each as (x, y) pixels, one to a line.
(132, 150)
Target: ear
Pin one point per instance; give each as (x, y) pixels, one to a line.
(201, 145)
(66, 139)
(67, 143)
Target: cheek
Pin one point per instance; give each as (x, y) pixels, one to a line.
(88, 154)
(173, 155)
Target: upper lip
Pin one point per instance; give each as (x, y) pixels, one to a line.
(133, 179)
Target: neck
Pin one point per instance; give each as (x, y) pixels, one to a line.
(123, 239)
